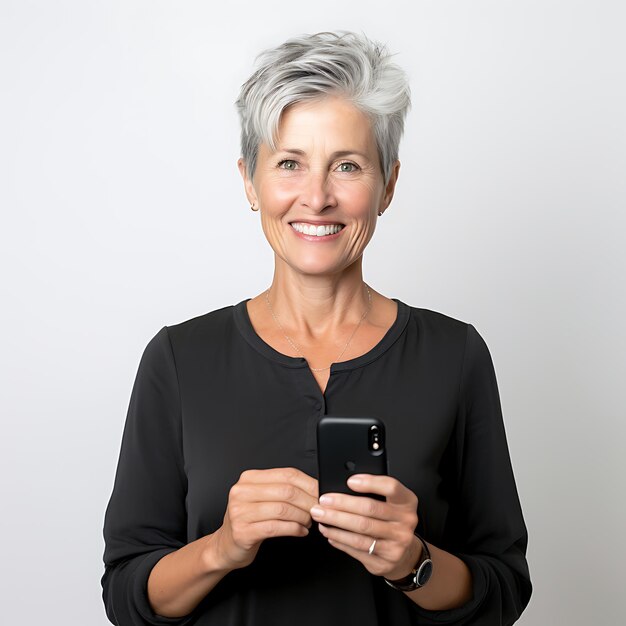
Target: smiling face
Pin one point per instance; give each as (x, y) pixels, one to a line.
(320, 192)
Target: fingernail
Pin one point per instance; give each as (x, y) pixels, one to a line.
(317, 512)
(326, 499)
(355, 480)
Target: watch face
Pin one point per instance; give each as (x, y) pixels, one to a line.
(424, 573)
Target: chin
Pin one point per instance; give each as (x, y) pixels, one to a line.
(315, 268)
(315, 271)
(318, 267)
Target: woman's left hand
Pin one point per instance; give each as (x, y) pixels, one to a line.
(352, 523)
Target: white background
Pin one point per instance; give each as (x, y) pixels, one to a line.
(122, 211)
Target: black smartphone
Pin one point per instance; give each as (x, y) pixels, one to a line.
(347, 446)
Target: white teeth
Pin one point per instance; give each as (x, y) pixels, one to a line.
(317, 231)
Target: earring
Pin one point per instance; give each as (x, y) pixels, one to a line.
(253, 207)
(380, 213)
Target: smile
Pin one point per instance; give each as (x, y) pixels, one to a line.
(323, 230)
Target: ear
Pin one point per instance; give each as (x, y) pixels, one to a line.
(247, 183)
(390, 187)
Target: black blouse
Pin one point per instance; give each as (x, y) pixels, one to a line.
(212, 399)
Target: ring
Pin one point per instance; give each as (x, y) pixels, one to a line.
(371, 550)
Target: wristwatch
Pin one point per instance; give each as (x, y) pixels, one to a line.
(419, 575)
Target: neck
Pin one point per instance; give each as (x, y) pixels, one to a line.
(314, 305)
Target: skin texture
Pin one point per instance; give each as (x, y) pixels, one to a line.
(357, 521)
(325, 170)
(261, 504)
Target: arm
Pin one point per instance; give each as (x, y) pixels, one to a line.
(181, 579)
(145, 519)
(261, 504)
(350, 523)
(486, 528)
(153, 576)
(480, 576)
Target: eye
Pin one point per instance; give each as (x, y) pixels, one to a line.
(347, 167)
(287, 164)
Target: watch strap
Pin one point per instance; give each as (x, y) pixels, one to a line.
(419, 575)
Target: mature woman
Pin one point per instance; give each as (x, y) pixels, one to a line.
(215, 516)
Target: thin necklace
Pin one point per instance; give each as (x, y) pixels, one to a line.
(296, 347)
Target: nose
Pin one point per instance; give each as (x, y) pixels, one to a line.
(317, 192)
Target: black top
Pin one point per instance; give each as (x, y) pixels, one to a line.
(212, 399)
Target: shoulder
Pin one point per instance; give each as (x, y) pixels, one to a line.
(443, 332)
(207, 323)
(437, 326)
(196, 334)
(456, 346)
(435, 319)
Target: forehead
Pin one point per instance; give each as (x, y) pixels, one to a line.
(331, 122)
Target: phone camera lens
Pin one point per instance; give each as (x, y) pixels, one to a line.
(375, 439)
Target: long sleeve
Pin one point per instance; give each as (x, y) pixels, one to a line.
(205, 381)
(485, 527)
(145, 518)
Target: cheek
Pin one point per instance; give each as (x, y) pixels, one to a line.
(278, 197)
(358, 198)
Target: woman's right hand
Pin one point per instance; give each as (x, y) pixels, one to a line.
(263, 504)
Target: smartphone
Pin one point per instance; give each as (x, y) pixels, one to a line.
(347, 446)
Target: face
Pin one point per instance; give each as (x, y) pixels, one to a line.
(320, 192)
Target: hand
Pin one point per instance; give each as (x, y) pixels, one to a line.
(352, 523)
(262, 504)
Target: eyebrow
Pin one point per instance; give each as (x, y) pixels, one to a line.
(335, 155)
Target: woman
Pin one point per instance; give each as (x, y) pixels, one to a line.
(214, 516)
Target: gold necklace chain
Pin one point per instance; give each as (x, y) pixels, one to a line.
(297, 348)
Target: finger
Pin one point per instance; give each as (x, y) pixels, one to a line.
(374, 564)
(267, 511)
(260, 531)
(355, 523)
(272, 492)
(359, 505)
(289, 475)
(362, 543)
(387, 486)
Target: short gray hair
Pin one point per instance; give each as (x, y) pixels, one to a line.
(310, 67)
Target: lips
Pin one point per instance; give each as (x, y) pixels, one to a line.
(316, 230)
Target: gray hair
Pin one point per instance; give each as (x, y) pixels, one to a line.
(310, 67)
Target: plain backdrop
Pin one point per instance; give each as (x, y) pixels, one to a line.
(123, 211)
